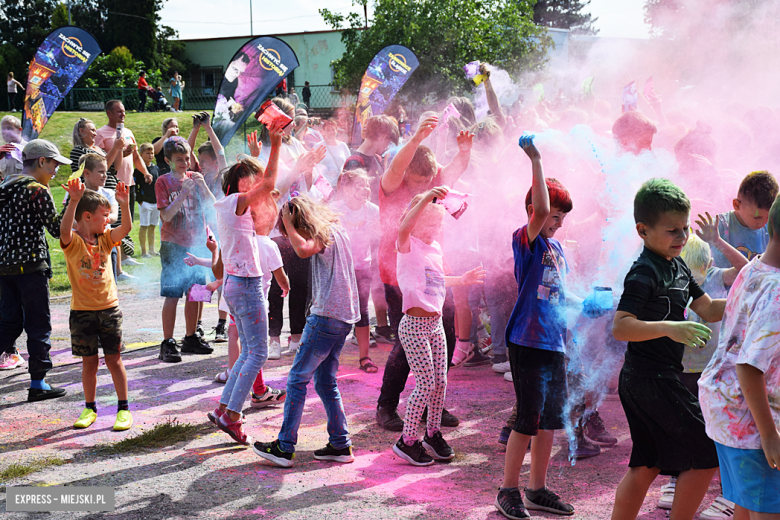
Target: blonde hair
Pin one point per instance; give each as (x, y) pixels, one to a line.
(145, 146)
(81, 124)
(348, 178)
(11, 121)
(697, 256)
(310, 216)
(91, 160)
(166, 123)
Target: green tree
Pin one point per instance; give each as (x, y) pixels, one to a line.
(445, 35)
(59, 18)
(24, 24)
(133, 25)
(565, 14)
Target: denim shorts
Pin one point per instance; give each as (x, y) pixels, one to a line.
(748, 480)
(177, 277)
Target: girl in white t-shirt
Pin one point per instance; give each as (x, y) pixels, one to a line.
(420, 271)
(360, 219)
(249, 205)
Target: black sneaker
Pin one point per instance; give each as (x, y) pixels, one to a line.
(169, 351)
(595, 431)
(509, 503)
(271, 451)
(331, 453)
(503, 436)
(585, 449)
(438, 447)
(220, 335)
(545, 500)
(199, 331)
(414, 454)
(447, 419)
(36, 394)
(478, 359)
(389, 419)
(195, 345)
(385, 335)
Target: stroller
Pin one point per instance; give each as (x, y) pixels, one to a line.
(158, 101)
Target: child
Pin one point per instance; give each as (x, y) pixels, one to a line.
(26, 210)
(11, 152)
(745, 228)
(147, 199)
(360, 219)
(422, 282)
(664, 418)
(536, 346)
(95, 318)
(248, 205)
(314, 232)
(739, 388)
(181, 198)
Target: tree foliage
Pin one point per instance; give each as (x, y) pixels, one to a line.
(445, 35)
(565, 14)
(118, 69)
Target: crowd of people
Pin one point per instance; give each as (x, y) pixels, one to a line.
(447, 230)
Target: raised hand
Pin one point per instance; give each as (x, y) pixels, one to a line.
(438, 192)
(527, 144)
(475, 276)
(427, 126)
(689, 333)
(276, 132)
(708, 228)
(122, 193)
(211, 243)
(254, 145)
(75, 189)
(465, 141)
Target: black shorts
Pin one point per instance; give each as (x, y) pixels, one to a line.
(666, 424)
(93, 330)
(540, 386)
(177, 277)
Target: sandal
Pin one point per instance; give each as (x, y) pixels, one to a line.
(369, 367)
(467, 355)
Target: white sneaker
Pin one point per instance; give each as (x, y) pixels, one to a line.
(720, 509)
(222, 377)
(292, 348)
(508, 376)
(274, 349)
(121, 277)
(667, 494)
(502, 368)
(131, 261)
(353, 339)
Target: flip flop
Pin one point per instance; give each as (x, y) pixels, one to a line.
(369, 367)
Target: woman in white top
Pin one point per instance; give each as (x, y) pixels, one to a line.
(420, 271)
(296, 177)
(336, 154)
(12, 84)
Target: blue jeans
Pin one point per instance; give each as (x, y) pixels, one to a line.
(24, 305)
(318, 356)
(246, 301)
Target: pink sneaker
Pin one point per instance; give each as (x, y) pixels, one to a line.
(235, 429)
(216, 414)
(10, 361)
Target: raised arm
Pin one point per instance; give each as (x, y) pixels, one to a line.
(452, 172)
(75, 189)
(411, 218)
(708, 231)
(303, 247)
(540, 197)
(191, 139)
(492, 98)
(123, 197)
(268, 182)
(394, 176)
(218, 148)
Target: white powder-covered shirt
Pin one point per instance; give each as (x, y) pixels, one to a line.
(240, 251)
(362, 226)
(749, 335)
(420, 275)
(270, 260)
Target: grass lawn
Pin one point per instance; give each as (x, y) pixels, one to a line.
(145, 126)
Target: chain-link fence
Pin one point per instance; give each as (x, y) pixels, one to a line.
(323, 97)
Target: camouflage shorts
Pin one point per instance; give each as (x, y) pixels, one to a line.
(91, 330)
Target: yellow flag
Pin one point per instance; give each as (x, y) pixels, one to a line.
(78, 173)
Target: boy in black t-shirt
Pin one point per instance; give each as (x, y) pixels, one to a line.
(664, 418)
(147, 201)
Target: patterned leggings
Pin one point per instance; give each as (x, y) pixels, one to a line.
(425, 346)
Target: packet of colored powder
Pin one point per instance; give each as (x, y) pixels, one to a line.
(269, 113)
(199, 293)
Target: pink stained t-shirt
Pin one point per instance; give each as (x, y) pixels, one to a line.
(105, 139)
(239, 245)
(188, 226)
(421, 276)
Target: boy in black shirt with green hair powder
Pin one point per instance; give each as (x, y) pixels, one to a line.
(666, 423)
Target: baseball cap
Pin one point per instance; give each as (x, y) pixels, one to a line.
(38, 148)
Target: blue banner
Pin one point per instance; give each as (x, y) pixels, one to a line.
(61, 60)
(384, 77)
(252, 74)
